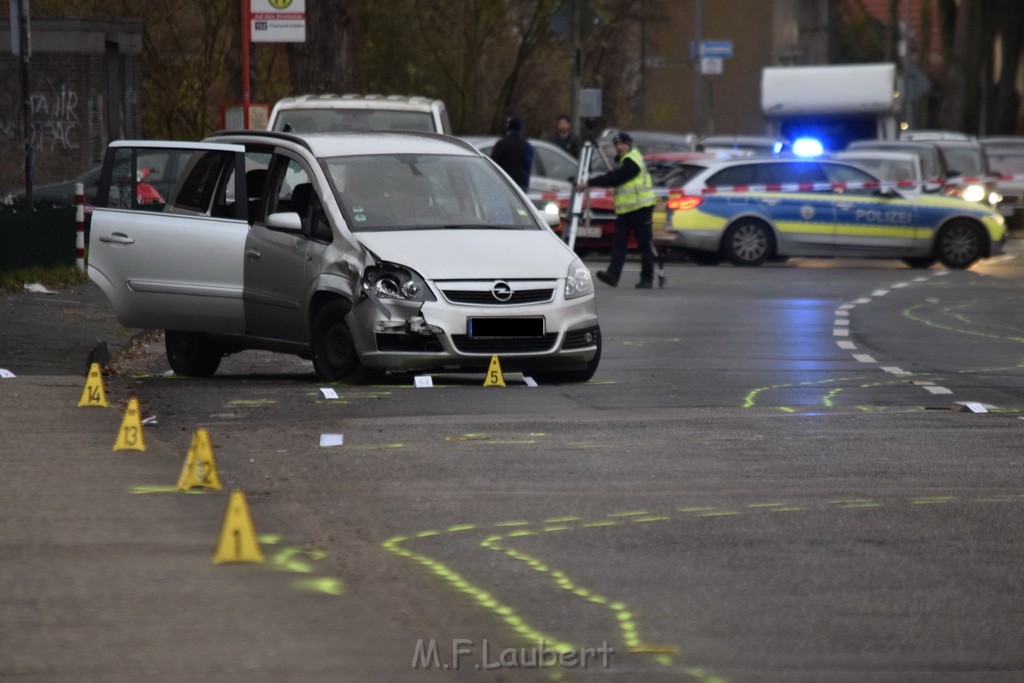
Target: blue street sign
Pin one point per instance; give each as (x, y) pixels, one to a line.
(716, 48)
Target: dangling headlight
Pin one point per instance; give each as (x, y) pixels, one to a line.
(578, 281)
(391, 281)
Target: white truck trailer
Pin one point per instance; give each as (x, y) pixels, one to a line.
(833, 104)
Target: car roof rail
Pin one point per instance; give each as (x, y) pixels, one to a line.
(270, 134)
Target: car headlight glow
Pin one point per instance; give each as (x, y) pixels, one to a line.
(391, 281)
(973, 193)
(551, 207)
(578, 281)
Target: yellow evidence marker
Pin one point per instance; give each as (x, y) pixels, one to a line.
(494, 377)
(200, 468)
(238, 541)
(129, 437)
(93, 393)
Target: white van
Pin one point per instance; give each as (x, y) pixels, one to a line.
(359, 113)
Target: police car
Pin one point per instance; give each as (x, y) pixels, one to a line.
(751, 210)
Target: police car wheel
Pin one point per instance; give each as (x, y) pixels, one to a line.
(748, 243)
(958, 244)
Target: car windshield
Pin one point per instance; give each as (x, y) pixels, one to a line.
(344, 120)
(886, 169)
(383, 192)
(964, 161)
(1006, 163)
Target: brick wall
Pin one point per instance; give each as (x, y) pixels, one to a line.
(85, 83)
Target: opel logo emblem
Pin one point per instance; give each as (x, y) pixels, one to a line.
(502, 291)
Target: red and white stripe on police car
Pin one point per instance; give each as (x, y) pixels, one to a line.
(933, 184)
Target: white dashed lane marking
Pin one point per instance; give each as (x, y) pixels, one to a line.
(841, 328)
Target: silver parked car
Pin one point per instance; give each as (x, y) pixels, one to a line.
(362, 252)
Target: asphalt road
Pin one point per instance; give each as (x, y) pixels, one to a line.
(770, 478)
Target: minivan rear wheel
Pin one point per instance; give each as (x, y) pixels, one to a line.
(192, 354)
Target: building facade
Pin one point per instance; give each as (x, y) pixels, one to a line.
(85, 85)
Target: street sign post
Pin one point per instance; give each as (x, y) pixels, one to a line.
(715, 48)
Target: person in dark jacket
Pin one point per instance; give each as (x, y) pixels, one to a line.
(563, 136)
(514, 154)
(634, 204)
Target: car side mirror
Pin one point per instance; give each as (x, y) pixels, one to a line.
(552, 219)
(286, 221)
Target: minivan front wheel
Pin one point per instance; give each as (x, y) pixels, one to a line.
(192, 354)
(334, 351)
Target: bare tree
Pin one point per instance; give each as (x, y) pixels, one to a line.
(1006, 107)
(324, 63)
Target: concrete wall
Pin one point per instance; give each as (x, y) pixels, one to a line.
(86, 89)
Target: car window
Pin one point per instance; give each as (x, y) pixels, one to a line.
(152, 181)
(202, 175)
(842, 174)
(412, 191)
(673, 174)
(796, 172)
(1006, 163)
(886, 169)
(341, 120)
(745, 174)
(552, 165)
(964, 161)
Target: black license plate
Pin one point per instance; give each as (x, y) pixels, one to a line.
(505, 327)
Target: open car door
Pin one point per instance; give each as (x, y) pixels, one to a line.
(172, 262)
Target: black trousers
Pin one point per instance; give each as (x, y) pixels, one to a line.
(639, 223)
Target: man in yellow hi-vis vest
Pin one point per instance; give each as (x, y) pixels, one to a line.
(634, 203)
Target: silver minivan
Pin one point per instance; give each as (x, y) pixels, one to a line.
(365, 253)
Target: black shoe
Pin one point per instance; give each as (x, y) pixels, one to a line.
(643, 284)
(607, 279)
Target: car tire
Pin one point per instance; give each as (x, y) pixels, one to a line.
(748, 242)
(920, 261)
(705, 258)
(567, 376)
(192, 354)
(959, 244)
(335, 358)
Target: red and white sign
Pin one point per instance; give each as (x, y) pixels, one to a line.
(277, 21)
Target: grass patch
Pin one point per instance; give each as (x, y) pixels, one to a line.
(52, 277)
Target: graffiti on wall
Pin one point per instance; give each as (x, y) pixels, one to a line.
(57, 113)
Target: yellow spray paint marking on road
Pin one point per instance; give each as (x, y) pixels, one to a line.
(321, 584)
(294, 560)
(478, 595)
(500, 533)
(913, 314)
(750, 400)
(933, 500)
(254, 402)
(503, 439)
(147, 488)
(856, 503)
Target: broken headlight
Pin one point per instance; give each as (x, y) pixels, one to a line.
(391, 281)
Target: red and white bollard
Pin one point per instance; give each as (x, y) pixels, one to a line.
(80, 226)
